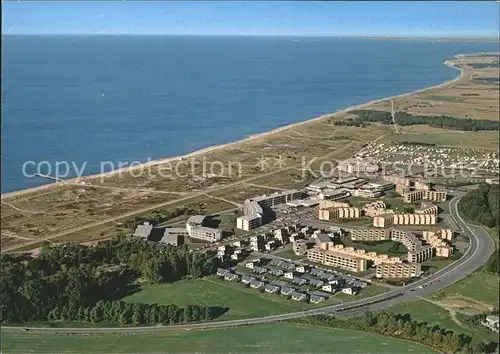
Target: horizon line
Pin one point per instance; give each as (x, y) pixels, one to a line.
(376, 36)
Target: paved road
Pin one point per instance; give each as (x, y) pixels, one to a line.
(481, 247)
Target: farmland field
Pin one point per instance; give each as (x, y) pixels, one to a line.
(265, 338)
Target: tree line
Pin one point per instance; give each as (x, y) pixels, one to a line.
(405, 119)
(403, 327)
(482, 206)
(122, 313)
(78, 277)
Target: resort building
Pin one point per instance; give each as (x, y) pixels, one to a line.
(421, 255)
(357, 165)
(339, 213)
(366, 234)
(398, 180)
(398, 270)
(324, 241)
(427, 208)
(326, 204)
(387, 220)
(336, 259)
(300, 247)
(367, 193)
(254, 209)
(416, 195)
(249, 222)
(206, 233)
(375, 209)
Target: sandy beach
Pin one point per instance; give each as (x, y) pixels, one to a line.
(214, 148)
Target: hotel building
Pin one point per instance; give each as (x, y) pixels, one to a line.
(336, 259)
(398, 270)
(339, 213)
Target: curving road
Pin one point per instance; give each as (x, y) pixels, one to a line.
(480, 249)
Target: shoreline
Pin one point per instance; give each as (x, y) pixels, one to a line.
(77, 180)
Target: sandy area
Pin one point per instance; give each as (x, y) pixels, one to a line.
(451, 63)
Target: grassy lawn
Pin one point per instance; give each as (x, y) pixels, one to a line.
(265, 338)
(370, 290)
(389, 247)
(434, 315)
(288, 253)
(480, 286)
(435, 263)
(242, 302)
(397, 204)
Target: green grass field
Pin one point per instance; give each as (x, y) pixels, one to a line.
(389, 247)
(434, 315)
(265, 338)
(481, 286)
(242, 302)
(288, 253)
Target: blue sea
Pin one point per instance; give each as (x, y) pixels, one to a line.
(126, 98)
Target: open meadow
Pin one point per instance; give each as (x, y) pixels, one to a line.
(265, 338)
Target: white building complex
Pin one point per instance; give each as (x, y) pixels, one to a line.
(195, 229)
(254, 209)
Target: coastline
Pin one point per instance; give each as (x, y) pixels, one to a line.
(77, 180)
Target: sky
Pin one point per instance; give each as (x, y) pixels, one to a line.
(404, 18)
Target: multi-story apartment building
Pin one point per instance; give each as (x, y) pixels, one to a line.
(444, 234)
(336, 259)
(249, 221)
(402, 189)
(387, 220)
(414, 219)
(368, 193)
(206, 233)
(408, 239)
(325, 204)
(366, 234)
(355, 166)
(254, 209)
(384, 220)
(375, 208)
(398, 180)
(268, 201)
(426, 208)
(339, 213)
(300, 247)
(195, 229)
(423, 253)
(416, 195)
(439, 239)
(398, 270)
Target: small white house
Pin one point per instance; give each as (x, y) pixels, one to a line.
(235, 256)
(350, 290)
(288, 275)
(236, 243)
(300, 269)
(329, 288)
(250, 265)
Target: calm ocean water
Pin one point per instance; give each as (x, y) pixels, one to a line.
(127, 98)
